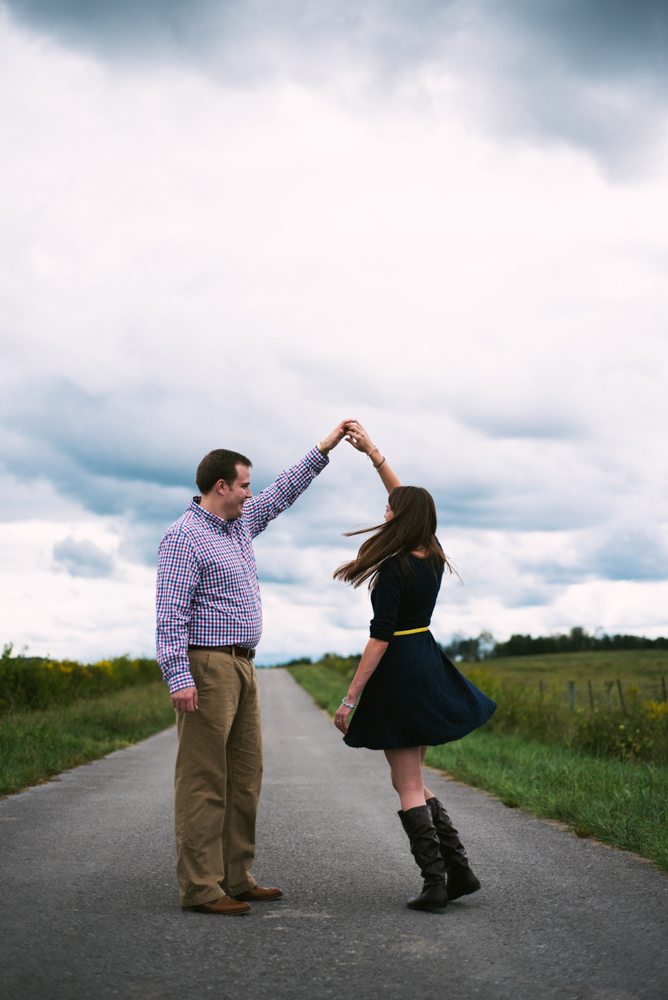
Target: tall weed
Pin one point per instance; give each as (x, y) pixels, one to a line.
(636, 732)
(36, 683)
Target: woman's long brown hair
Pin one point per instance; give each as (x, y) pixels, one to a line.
(412, 527)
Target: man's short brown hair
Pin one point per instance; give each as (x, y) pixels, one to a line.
(219, 464)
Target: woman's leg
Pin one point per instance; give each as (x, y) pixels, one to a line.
(416, 819)
(407, 778)
(406, 768)
(461, 880)
(427, 794)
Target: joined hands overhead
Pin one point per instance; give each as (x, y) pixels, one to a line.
(337, 434)
(353, 432)
(358, 437)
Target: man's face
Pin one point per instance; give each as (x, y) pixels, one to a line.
(233, 496)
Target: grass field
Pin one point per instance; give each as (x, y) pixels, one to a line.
(36, 745)
(621, 802)
(641, 667)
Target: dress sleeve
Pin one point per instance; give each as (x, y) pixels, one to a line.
(386, 607)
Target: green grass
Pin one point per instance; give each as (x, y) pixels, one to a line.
(642, 667)
(36, 745)
(620, 802)
(326, 687)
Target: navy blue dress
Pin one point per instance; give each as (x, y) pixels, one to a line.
(415, 696)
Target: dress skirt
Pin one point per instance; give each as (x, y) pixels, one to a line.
(416, 697)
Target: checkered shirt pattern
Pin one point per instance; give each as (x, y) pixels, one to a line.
(208, 592)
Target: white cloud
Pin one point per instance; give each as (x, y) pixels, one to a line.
(53, 612)
(189, 265)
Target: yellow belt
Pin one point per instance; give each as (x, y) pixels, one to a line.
(410, 631)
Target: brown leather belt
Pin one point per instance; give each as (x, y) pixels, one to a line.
(244, 651)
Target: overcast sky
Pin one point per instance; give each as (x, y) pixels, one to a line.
(232, 224)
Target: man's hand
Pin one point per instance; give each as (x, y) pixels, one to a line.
(185, 700)
(333, 439)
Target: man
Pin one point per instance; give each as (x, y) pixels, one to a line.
(209, 623)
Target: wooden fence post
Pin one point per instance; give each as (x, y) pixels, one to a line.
(541, 692)
(571, 695)
(591, 696)
(663, 686)
(621, 696)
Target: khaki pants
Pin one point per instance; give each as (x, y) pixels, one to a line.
(218, 779)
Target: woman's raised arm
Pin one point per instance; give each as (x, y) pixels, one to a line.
(358, 438)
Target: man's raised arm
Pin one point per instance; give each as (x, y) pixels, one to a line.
(265, 506)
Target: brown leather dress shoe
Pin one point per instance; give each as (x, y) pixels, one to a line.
(223, 905)
(260, 895)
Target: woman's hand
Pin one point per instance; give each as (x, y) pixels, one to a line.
(341, 718)
(371, 657)
(358, 437)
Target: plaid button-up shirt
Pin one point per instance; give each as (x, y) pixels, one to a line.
(208, 592)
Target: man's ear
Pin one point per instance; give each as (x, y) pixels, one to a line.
(220, 486)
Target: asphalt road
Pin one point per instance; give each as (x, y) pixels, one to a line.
(90, 907)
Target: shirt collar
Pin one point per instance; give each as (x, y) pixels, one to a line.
(215, 522)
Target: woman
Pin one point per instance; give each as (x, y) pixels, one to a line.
(406, 693)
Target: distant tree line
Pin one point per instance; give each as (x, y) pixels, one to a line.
(484, 647)
(576, 641)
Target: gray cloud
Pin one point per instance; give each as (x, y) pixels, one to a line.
(82, 558)
(196, 25)
(103, 449)
(597, 37)
(594, 37)
(616, 551)
(632, 554)
(594, 73)
(132, 455)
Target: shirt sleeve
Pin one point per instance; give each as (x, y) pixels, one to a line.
(178, 577)
(263, 508)
(386, 607)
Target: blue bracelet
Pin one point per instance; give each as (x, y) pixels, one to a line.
(344, 702)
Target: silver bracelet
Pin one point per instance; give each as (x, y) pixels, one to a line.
(370, 453)
(379, 467)
(344, 702)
